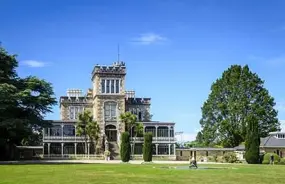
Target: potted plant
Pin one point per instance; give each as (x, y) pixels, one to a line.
(107, 155)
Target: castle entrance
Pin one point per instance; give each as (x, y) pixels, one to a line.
(111, 133)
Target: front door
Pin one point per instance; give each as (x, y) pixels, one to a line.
(111, 133)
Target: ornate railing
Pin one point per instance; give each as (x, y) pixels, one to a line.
(155, 139)
(79, 138)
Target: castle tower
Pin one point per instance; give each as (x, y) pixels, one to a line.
(109, 99)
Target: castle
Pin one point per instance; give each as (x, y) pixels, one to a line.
(106, 101)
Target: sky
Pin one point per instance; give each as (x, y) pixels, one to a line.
(173, 49)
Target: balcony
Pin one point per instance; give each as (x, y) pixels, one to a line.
(155, 139)
(63, 139)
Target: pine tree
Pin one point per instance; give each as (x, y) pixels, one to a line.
(147, 147)
(252, 142)
(125, 151)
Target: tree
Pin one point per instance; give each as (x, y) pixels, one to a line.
(125, 147)
(24, 102)
(147, 147)
(129, 120)
(252, 142)
(138, 131)
(234, 97)
(87, 127)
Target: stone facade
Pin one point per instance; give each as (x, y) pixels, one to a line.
(106, 100)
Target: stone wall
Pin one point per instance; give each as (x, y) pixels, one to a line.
(201, 155)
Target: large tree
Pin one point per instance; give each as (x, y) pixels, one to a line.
(24, 102)
(87, 127)
(236, 96)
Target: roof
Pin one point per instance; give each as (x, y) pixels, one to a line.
(272, 141)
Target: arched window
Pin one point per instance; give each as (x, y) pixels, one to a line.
(110, 111)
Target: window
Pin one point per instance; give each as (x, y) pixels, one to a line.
(112, 86)
(74, 111)
(103, 86)
(108, 86)
(207, 153)
(163, 149)
(181, 153)
(140, 116)
(110, 111)
(117, 86)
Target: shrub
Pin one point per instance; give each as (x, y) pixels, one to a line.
(220, 159)
(282, 161)
(230, 157)
(125, 151)
(211, 159)
(147, 147)
(266, 158)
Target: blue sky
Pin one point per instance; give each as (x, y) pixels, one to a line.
(174, 49)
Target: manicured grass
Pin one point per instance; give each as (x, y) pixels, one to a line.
(138, 174)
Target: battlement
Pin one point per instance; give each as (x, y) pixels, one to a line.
(117, 68)
(74, 93)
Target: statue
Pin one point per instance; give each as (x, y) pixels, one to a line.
(193, 163)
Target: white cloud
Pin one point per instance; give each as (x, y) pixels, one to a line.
(34, 63)
(150, 38)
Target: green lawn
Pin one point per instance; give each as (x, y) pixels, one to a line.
(147, 174)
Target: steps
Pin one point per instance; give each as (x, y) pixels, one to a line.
(114, 150)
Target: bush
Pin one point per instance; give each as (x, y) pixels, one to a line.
(230, 157)
(266, 158)
(147, 147)
(125, 151)
(282, 161)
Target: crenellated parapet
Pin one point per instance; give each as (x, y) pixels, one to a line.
(117, 68)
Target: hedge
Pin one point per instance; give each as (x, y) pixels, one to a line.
(125, 151)
(266, 158)
(147, 147)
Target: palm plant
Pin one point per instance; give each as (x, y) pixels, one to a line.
(129, 120)
(87, 127)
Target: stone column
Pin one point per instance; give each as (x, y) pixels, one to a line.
(88, 149)
(62, 131)
(62, 144)
(156, 127)
(43, 149)
(174, 149)
(75, 132)
(105, 86)
(132, 148)
(48, 132)
(169, 146)
(48, 149)
(75, 149)
(169, 133)
(156, 149)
